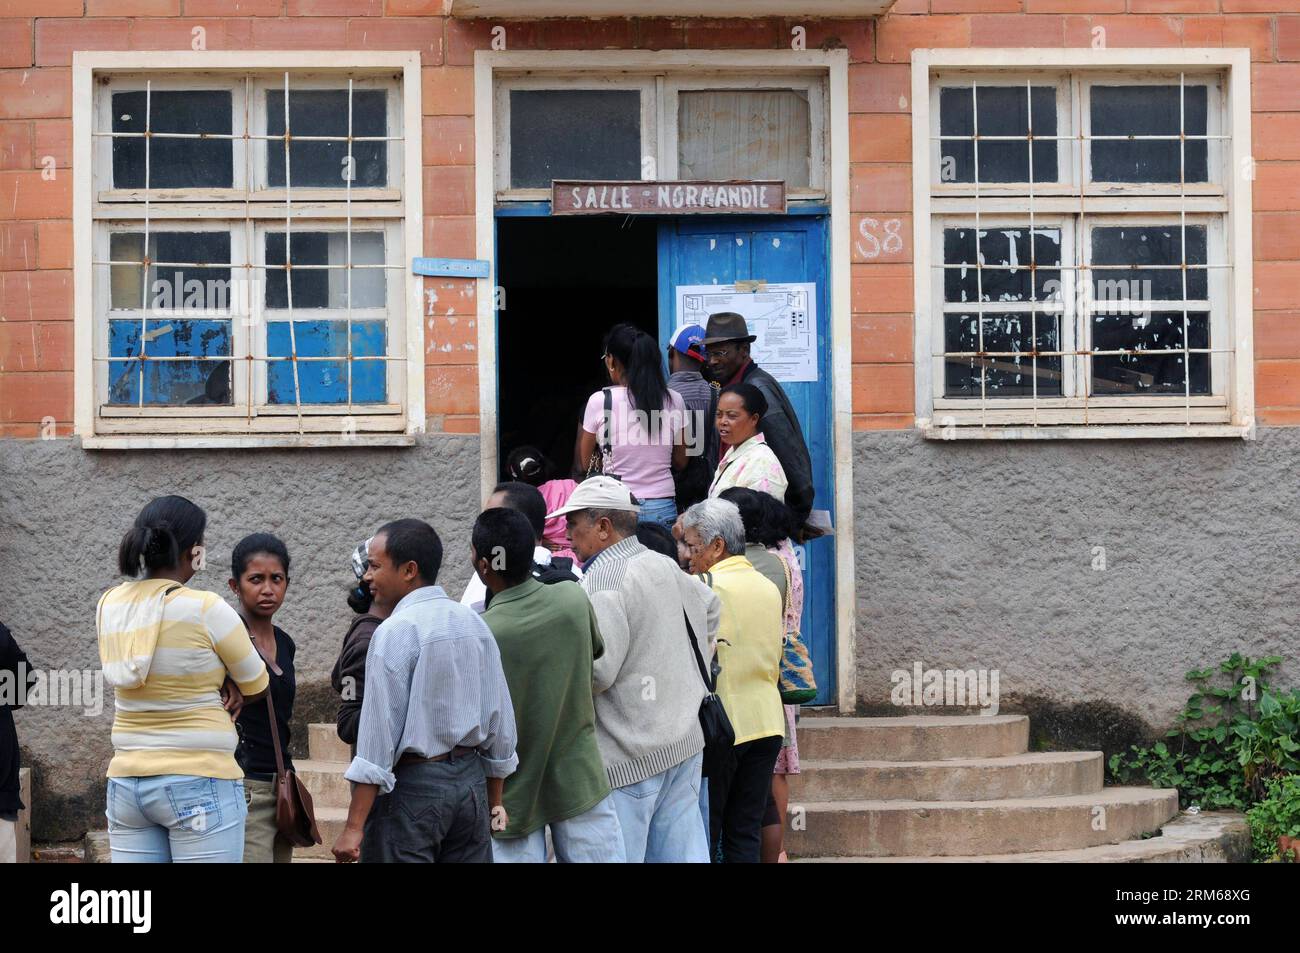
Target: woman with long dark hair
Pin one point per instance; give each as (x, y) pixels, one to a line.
(636, 425)
(175, 791)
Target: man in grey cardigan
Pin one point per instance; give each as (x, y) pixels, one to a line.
(648, 684)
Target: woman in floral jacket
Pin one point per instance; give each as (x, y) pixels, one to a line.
(748, 461)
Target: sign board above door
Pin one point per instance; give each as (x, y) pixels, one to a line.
(635, 197)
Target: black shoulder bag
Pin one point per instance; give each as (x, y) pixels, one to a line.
(719, 736)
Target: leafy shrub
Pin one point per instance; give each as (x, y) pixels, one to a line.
(1275, 816)
(1232, 737)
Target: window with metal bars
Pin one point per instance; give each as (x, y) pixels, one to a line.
(1078, 248)
(248, 233)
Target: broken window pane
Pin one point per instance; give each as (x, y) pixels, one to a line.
(1011, 376)
(174, 163)
(1136, 245)
(169, 383)
(326, 382)
(573, 134)
(1148, 111)
(179, 285)
(325, 287)
(1149, 373)
(324, 112)
(1001, 246)
(1003, 111)
(728, 134)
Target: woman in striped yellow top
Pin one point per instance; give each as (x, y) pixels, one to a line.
(175, 792)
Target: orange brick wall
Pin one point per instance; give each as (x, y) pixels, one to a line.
(37, 38)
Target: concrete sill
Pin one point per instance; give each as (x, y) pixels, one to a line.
(280, 441)
(1083, 432)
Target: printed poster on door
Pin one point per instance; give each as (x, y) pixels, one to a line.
(784, 316)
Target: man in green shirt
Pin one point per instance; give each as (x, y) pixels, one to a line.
(548, 638)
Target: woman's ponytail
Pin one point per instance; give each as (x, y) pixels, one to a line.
(165, 529)
(643, 371)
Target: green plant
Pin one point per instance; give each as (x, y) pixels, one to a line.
(1277, 815)
(1267, 747)
(1231, 737)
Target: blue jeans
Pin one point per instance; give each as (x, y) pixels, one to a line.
(593, 837)
(662, 511)
(176, 818)
(660, 817)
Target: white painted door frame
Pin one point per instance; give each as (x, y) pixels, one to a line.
(835, 65)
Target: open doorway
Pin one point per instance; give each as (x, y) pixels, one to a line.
(566, 282)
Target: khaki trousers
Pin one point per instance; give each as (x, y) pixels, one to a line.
(262, 841)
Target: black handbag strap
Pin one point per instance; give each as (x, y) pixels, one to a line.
(699, 659)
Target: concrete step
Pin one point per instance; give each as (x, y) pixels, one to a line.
(329, 821)
(913, 738)
(323, 744)
(1217, 837)
(325, 781)
(1039, 774)
(967, 828)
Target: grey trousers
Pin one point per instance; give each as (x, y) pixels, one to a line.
(436, 814)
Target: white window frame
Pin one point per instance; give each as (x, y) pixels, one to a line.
(99, 209)
(1225, 201)
(659, 118)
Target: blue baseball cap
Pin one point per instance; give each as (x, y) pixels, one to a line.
(688, 341)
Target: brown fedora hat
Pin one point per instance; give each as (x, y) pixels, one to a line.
(727, 326)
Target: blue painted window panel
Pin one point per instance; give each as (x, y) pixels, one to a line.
(169, 383)
(324, 112)
(326, 382)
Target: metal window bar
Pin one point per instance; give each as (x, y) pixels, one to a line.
(347, 185)
(144, 254)
(288, 259)
(253, 135)
(979, 255)
(1182, 251)
(250, 236)
(1033, 258)
(248, 266)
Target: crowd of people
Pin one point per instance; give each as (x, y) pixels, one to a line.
(556, 709)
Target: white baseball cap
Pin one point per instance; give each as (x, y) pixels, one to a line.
(598, 493)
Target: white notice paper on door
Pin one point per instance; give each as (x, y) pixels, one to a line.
(783, 316)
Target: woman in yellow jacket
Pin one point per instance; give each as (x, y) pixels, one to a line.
(750, 634)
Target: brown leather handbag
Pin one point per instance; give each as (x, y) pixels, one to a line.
(295, 817)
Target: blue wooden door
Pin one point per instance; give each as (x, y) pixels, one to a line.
(794, 248)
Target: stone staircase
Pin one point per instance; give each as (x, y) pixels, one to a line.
(925, 789)
(322, 772)
(966, 788)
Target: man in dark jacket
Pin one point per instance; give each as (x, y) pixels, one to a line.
(726, 341)
(349, 675)
(15, 678)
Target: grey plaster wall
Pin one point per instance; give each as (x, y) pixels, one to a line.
(969, 555)
(63, 511)
(974, 554)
